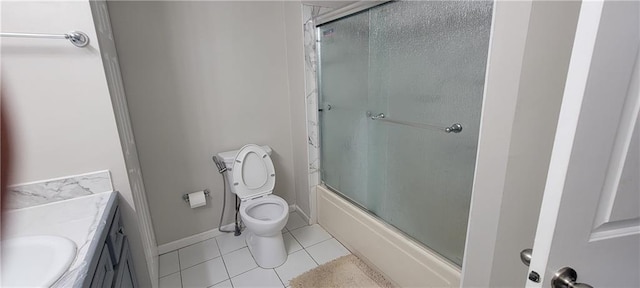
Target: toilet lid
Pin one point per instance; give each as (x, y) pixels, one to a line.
(253, 172)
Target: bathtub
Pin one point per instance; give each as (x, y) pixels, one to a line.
(401, 259)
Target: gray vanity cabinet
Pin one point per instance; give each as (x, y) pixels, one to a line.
(124, 275)
(113, 268)
(103, 277)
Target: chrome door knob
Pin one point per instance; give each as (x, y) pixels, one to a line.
(525, 256)
(566, 278)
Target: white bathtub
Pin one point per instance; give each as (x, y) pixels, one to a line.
(401, 259)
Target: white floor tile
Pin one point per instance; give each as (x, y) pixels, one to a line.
(295, 221)
(168, 264)
(297, 263)
(239, 261)
(198, 253)
(204, 274)
(258, 277)
(223, 284)
(171, 281)
(310, 235)
(229, 243)
(326, 251)
(290, 243)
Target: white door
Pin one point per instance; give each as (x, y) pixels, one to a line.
(590, 215)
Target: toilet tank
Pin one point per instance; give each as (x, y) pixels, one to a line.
(229, 156)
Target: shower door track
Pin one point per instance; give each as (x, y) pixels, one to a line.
(345, 11)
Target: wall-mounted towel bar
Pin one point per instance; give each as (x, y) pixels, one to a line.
(455, 128)
(77, 38)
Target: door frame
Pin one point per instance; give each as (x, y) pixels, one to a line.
(514, 98)
(506, 52)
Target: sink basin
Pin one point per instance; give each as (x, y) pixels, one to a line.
(35, 261)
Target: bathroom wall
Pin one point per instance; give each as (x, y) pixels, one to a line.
(58, 106)
(207, 77)
(296, 70)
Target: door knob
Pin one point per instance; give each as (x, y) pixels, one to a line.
(566, 278)
(525, 256)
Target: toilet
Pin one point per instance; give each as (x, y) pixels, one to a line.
(252, 178)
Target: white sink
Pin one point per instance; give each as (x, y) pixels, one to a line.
(35, 261)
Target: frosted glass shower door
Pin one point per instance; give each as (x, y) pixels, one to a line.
(344, 86)
(416, 62)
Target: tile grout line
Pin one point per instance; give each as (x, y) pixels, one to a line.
(286, 229)
(272, 269)
(170, 275)
(179, 267)
(294, 239)
(221, 282)
(323, 242)
(194, 265)
(219, 251)
(223, 263)
(288, 254)
(245, 272)
(232, 251)
(309, 254)
(278, 275)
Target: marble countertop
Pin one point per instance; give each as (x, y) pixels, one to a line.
(82, 220)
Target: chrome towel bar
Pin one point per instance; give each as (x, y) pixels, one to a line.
(77, 38)
(454, 128)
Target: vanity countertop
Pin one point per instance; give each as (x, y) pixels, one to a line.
(81, 219)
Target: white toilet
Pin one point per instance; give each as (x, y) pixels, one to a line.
(252, 177)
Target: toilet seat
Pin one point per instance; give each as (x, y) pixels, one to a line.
(253, 173)
(247, 206)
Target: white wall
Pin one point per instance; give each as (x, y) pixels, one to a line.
(295, 66)
(528, 62)
(202, 78)
(58, 105)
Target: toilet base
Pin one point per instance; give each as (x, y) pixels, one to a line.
(268, 251)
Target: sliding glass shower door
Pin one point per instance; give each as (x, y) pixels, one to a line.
(392, 80)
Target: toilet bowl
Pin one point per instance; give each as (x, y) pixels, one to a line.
(252, 178)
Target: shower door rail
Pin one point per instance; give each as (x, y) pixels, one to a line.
(454, 128)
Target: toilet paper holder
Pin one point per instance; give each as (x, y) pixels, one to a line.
(185, 196)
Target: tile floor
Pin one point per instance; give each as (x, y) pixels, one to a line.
(225, 261)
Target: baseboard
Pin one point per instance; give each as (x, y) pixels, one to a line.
(301, 213)
(193, 239)
(313, 206)
(206, 235)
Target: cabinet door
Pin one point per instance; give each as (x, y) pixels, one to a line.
(125, 275)
(127, 280)
(115, 237)
(104, 272)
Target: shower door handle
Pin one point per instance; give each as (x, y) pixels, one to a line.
(454, 128)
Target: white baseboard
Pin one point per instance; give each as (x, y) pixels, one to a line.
(313, 206)
(301, 213)
(193, 239)
(206, 235)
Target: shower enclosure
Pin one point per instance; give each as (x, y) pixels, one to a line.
(400, 95)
